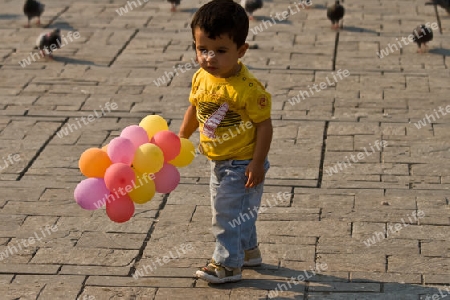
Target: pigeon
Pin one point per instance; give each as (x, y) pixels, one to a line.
(307, 4)
(335, 13)
(174, 3)
(250, 6)
(445, 4)
(31, 9)
(422, 35)
(48, 42)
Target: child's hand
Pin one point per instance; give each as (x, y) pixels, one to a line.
(255, 173)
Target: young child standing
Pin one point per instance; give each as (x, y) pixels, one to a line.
(232, 111)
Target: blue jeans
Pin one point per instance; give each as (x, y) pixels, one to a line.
(234, 211)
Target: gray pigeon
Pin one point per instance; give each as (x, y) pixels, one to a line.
(422, 35)
(445, 4)
(49, 41)
(335, 13)
(306, 4)
(32, 9)
(174, 3)
(250, 6)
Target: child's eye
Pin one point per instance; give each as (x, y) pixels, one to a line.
(222, 51)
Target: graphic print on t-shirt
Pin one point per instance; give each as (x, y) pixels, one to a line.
(214, 116)
(214, 120)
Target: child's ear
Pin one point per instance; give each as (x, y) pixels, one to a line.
(195, 51)
(242, 50)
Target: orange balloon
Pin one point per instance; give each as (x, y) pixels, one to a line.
(94, 162)
(105, 148)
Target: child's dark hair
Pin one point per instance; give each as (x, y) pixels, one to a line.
(222, 17)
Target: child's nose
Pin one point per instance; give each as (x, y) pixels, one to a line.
(208, 56)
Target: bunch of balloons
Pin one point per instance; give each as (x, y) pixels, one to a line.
(129, 170)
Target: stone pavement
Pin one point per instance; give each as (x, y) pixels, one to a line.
(357, 191)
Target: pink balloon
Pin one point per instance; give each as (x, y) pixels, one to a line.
(121, 150)
(167, 179)
(136, 134)
(119, 176)
(168, 142)
(91, 193)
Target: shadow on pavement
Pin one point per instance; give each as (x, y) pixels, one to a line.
(73, 61)
(61, 25)
(9, 17)
(265, 18)
(320, 286)
(440, 51)
(358, 29)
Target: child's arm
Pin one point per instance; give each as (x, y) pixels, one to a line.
(190, 123)
(255, 169)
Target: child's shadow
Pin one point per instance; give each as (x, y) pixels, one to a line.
(286, 283)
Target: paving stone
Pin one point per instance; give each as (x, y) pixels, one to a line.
(435, 248)
(51, 285)
(385, 277)
(436, 279)
(280, 251)
(328, 245)
(355, 262)
(94, 292)
(94, 270)
(427, 265)
(422, 232)
(289, 214)
(114, 281)
(182, 293)
(344, 287)
(308, 228)
(84, 256)
(361, 296)
(17, 291)
(110, 240)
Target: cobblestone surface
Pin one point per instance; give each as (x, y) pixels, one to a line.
(352, 206)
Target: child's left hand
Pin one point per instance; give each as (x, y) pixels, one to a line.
(255, 173)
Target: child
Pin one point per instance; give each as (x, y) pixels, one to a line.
(232, 111)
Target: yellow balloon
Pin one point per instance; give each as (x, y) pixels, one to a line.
(186, 156)
(144, 189)
(153, 124)
(148, 158)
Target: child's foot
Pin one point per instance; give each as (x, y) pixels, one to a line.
(252, 257)
(215, 273)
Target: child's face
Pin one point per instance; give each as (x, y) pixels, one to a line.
(218, 57)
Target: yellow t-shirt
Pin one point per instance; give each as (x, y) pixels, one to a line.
(227, 109)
